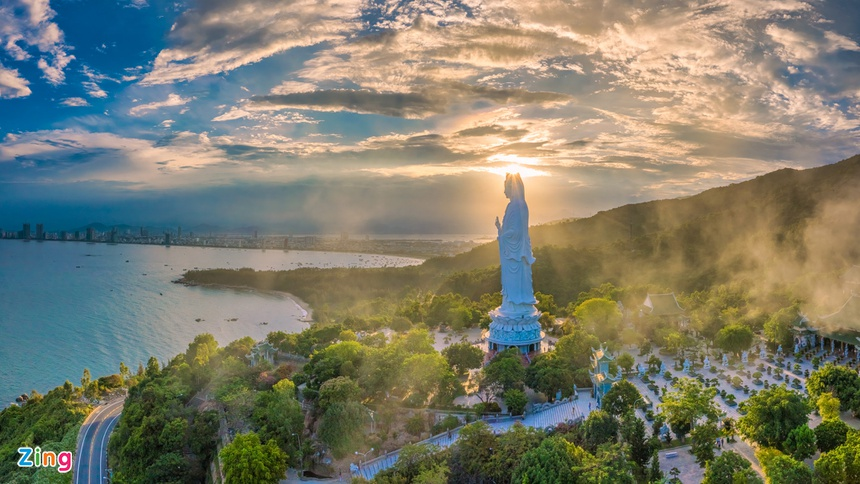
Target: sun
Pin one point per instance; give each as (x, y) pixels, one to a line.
(504, 164)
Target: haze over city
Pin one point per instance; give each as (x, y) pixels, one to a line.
(404, 116)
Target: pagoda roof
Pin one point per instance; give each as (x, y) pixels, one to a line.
(852, 275)
(663, 305)
(600, 354)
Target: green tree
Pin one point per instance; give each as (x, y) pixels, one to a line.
(602, 316)
(772, 414)
(471, 455)
(575, 348)
(463, 357)
(621, 398)
(828, 406)
(506, 370)
(841, 381)
(800, 442)
(626, 361)
(152, 367)
(610, 466)
(516, 401)
(546, 303)
(423, 373)
(734, 338)
(633, 434)
(548, 374)
(279, 416)
(339, 359)
(341, 427)
(553, 461)
(724, 468)
(201, 350)
(509, 449)
(830, 434)
(240, 348)
(704, 440)
(341, 389)
(830, 468)
(124, 372)
(690, 402)
(86, 379)
(170, 467)
(783, 468)
(599, 428)
(777, 329)
(245, 459)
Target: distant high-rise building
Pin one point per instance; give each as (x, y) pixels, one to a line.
(113, 235)
(286, 243)
(77, 235)
(91, 234)
(40, 232)
(255, 234)
(25, 231)
(64, 235)
(179, 232)
(167, 238)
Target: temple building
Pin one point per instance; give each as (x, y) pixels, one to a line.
(666, 307)
(262, 351)
(601, 379)
(840, 331)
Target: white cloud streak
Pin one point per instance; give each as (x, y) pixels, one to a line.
(172, 100)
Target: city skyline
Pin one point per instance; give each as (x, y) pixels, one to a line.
(392, 117)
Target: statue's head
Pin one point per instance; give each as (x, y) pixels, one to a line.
(514, 186)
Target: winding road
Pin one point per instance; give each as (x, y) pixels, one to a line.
(91, 455)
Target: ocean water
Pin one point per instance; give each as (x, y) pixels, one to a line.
(66, 306)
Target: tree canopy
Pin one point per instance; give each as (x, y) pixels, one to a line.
(245, 459)
(734, 338)
(690, 402)
(841, 381)
(771, 414)
(621, 398)
(601, 316)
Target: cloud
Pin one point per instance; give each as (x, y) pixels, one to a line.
(54, 71)
(172, 100)
(70, 156)
(75, 102)
(264, 118)
(29, 25)
(410, 105)
(213, 37)
(12, 85)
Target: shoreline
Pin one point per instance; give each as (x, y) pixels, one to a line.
(303, 306)
(419, 256)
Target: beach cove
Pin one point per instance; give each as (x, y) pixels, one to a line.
(66, 306)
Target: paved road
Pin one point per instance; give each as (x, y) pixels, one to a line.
(91, 462)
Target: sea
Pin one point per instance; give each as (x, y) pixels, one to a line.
(66, 306)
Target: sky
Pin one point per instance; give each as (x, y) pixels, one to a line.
(399, 117)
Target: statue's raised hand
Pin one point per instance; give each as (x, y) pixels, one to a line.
(498, 225)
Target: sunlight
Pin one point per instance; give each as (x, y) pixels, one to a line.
(526, 167)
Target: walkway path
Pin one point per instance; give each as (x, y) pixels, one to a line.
(568, 411)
